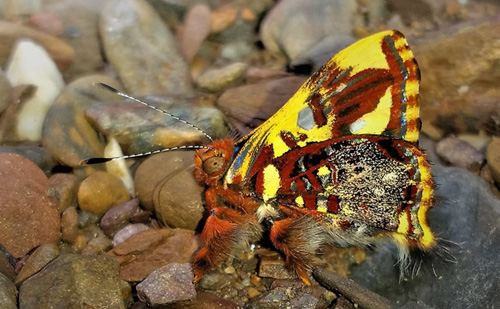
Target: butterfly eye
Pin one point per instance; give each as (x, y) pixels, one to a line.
(213, 164)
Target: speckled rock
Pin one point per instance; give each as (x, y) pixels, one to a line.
(293, 26)
(142, 49)
(166, 183)
(8, 293)
(74, 281)
(101, 191)
(217, 79)
(151, 249)
(460, 153)
(36, 261)
(36, 154)
(118, 217)
(64, 188)
(27, 220)
(168, 284)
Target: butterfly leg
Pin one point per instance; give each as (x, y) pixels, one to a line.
(225, 228)
(298, 238)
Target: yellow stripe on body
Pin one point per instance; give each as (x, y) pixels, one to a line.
(375, 122)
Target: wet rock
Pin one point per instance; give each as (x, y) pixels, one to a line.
(101, 191)
(273, 266)
(10, 33)
(168, 284)
(206, 300)
(128, 231)
(467, 215)
(289, 294)
(493, 157)
(216, 280)
(194, 31)
(118, 217)
(36, 261)
(459, 69)
(139, 129)
(38, 155)
(64, 188)
(248, 106)
(86, 218)
(96, 241)
(74, 281)
(294, 26)
(143, 50)
(6, 267)
(151, 249)
(165, 182)
(29, 63)
(460, 153)
(8, 293)
(27, 220)
(69, 225)
(66, 133)
(216, 80)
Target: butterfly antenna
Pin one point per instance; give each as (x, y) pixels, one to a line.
(90, 161)
(122, 94)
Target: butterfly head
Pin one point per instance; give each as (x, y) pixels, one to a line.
(211, 163)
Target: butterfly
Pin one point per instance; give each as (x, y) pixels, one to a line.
(338, 164)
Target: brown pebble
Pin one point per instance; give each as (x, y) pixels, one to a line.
(101, 191)
(64, 188)
(69, 225)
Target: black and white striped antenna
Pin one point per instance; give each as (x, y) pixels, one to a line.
(103, 160)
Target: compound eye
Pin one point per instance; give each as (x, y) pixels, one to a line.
(213, 164)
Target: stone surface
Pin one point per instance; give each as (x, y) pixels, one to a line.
(8, 293)
(118, 167)
(458, 66)
(59, 51)
(166, 183)
(36, 261)
(101, 191)
(293, 26)
(96, 242)
(217, 79)
(493, 158)
(66, 133)
(206, 300)
(148, 250)
(249, 105)
(69, 224)
(289, 294)
(38, 155)
(28, 64)
(194, 31)
(272, 265)
(467, 214)
(74, 281)
(128, 231)
(460, 153)
(168, 284)
(5, 91)
(64, 188)
(142, 49)
(28, 216)
(47, 23)
(139, 129)
(118, 217)
(7, 264)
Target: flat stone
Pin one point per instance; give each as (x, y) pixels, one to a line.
(27, 220)
(128, 231)
(217, 79)
(8, 293)
(168, 284)
(36, 261)
(74, 281)
(151, 249)
(118, 217)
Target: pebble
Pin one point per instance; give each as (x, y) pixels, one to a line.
(247, 106)
(96, 241)
(173, 193)
(8, 293)
(74, 281)
(67, 135)
(69, 225)
(38, 155)
(146, 251)
(206, 300)
(460, 153)
(119, 216)
(467, 215)
(28, 216)
(493, 158)
(30, 64)
(194, 31)
(457, 68)
(6, 267)
(118, 167)
(61, 53)
(139, 129)
(36, 261)
(128, 231)
(64, 188)
(168, 284)
(294, 26)
(142, 49)
(272, 266)
(101, 191)
(217, 79)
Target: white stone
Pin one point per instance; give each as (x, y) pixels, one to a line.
(118, 167)
(29, 63)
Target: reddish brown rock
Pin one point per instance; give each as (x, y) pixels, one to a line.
(28, 216)
(36, 261)
(194, 31)
(64, 188)
(101, 191)
(148, 250)
(248, 106)
(118, 217)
